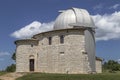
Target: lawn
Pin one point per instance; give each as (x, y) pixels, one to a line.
(2, 73)
(45, 76)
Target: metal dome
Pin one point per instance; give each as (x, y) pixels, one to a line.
(73, 17)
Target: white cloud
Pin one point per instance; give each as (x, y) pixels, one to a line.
(108, 26)
(118, 61)
(4, 54)
(31, 29)
(114, 6)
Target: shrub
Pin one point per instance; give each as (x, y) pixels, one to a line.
(11, 68)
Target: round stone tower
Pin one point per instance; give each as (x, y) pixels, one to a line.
(77, 18)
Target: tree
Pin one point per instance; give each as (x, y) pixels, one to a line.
(12, 67)
(14, 56)
(111, 65)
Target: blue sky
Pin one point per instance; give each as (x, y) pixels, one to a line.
(17, 17)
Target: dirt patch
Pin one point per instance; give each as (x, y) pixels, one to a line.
(11, 76)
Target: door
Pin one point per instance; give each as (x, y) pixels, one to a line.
(31, 61)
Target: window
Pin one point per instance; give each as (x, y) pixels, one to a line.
(32, 45)
(50, 40)
(61, 39)
(61, 53)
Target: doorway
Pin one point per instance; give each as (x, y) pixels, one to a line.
(31, 64)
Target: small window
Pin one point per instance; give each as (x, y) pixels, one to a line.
(62, 53)
(62, 39)
(50, 40)
(32, 45)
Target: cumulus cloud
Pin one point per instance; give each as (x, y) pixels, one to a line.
(4, 54)
(31, 29)
(108, 26)
(118, 60)
(115, 6)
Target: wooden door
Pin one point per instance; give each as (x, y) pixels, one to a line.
(31, 61)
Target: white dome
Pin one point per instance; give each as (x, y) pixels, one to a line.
(73, 17)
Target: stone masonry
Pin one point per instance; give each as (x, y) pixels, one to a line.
(68, 57)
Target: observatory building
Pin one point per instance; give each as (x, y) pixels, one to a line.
(68, 48)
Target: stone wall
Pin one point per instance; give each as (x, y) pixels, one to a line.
(68, 57)
(98, 66)
(25, 49)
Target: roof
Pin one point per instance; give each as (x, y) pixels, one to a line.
(81, 28)
(25, 40)
(73, 17)
(98, 58)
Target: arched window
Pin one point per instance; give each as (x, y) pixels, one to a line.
(61, 39)
(50, 40)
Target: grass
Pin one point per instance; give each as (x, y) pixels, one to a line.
(2, 73)
(45, 76)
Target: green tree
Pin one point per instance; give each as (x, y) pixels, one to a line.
(111, 65)
(12, 67)
(14, 56)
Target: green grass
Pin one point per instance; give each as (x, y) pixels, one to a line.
(2, 73)
(45, 76)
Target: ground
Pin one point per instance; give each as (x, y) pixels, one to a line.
(11, 76)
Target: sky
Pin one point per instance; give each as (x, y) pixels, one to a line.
(20, 19)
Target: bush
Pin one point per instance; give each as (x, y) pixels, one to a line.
(11, 68)
(111, 66)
